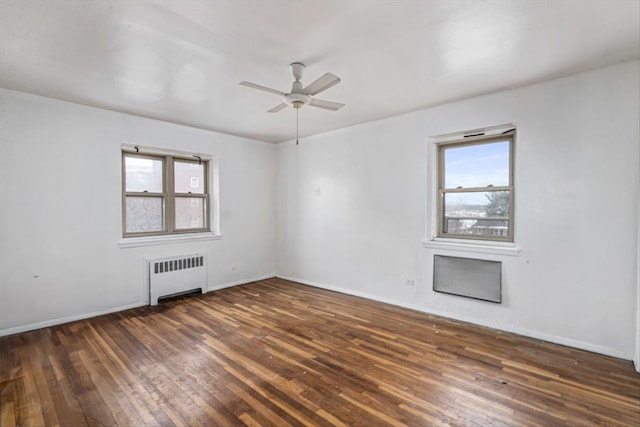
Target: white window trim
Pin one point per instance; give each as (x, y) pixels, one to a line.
(475, 246)
(136, 242)
(215, 232)
(432, 240)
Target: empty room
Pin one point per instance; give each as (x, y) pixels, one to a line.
(319, 213)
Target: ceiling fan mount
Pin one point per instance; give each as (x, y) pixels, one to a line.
(299, 96)
(296, 69)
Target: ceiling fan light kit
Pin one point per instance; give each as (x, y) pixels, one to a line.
(300, 96)
(297, 100)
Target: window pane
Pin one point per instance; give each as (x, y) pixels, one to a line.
(189, 177)
(478, 165)
(481, 227)
(190, 212)
(143, 174)
(483, 213)
(144, 214)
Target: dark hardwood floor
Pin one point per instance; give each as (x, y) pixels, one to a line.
(277, 353)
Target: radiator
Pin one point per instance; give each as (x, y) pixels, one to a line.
(176, 275)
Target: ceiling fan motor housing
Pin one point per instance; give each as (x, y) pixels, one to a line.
(297, 100)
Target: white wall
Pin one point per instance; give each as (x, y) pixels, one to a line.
(60, 210)
(636, 359)
(352, 206)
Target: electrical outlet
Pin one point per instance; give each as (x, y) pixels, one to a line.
(409, 282)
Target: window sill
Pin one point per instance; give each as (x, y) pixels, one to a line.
(482, 247)
(136, 242)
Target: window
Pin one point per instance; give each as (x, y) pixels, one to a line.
(475, 188)
(164, 194)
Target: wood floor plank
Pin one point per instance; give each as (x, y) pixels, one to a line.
(277, 353)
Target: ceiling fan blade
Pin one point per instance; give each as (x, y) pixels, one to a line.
(277, 108)
(263, 88)
(322, 83)
(327, 105)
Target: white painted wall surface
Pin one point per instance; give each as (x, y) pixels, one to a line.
(60, 210)
(636, 358)
(352, 206)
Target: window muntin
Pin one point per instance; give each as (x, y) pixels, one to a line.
(164, 194)
(475, 185)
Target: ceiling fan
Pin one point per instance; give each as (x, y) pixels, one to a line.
(299, 95)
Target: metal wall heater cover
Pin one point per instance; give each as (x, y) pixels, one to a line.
(175, 275)
(468, 277)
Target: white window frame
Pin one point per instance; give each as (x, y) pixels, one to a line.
(443, 191)
(432, 238)
(170, 234)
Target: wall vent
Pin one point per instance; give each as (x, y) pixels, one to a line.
(177, 275)
(467, 277)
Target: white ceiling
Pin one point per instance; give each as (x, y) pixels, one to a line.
(181, 61)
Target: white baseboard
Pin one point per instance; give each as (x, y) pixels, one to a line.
(67, 319)
(239, 282)
(494, 325)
